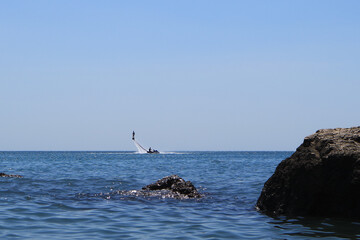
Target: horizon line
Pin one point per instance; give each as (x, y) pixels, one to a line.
(136, 151)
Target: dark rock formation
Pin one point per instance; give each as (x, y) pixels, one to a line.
(7, 175)
(176, 185)
(322, 178)
(168, 187)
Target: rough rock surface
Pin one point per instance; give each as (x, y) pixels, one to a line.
(7, 175)
(176, 185)
(322, 178)
(168, 187)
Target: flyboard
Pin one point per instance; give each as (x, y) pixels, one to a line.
(141, 149)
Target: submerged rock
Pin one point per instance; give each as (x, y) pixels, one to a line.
(322, 178)
(12, 176)
(178, 187)
(168, 187)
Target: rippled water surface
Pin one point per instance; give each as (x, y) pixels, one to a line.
(60, 198)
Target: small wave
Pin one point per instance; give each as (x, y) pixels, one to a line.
(173, 153)
(112, 153)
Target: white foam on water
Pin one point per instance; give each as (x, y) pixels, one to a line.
(172, 153)
(140, 148)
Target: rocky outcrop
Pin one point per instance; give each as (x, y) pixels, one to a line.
(322, 178)
(176, 185)
(168, 187)
(12, 176)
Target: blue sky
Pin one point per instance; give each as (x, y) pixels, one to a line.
(185, 75)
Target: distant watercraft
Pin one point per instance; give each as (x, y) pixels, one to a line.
(141, 149)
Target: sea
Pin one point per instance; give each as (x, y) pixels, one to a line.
(77, 195)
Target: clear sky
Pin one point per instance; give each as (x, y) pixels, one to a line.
(185, 75)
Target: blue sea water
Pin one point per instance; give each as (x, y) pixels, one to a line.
(67, 195)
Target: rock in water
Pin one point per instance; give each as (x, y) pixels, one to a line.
(322, 178)
(7, 175)
(168, 187)
(176, 185)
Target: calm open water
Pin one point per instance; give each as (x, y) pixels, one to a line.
(60, 198)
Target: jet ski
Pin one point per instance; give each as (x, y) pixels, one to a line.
(152, 151)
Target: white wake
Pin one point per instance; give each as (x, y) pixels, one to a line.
(140, 148)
